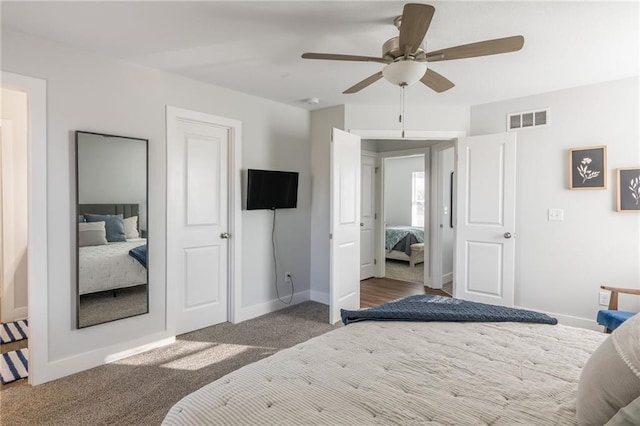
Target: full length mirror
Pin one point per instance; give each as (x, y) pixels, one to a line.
(111, 216)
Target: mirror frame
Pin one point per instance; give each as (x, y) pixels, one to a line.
(75, 220)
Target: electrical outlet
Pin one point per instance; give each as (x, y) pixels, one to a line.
(604, 298)
(287, 277)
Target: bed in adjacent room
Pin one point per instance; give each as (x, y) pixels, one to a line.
(401, 372)
(405, 243)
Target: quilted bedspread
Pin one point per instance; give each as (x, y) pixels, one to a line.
(425, 307)
(405, 373)
(394, 234)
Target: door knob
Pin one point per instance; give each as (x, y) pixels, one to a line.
(361, 223)
(225, 235)
(507, 235)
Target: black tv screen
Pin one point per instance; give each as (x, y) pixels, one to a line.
(270, 189)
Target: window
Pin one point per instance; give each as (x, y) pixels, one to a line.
(417, 199)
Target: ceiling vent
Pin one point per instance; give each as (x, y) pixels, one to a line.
(523, 120)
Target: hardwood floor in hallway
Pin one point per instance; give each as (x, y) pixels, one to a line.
(375, 291)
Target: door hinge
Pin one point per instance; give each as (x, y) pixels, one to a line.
(375, 215)
(331, 236)
(376, 170)
(375, 261)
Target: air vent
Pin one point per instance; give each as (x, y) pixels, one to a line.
(523, 120)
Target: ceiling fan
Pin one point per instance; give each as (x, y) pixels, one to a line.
(405, 56)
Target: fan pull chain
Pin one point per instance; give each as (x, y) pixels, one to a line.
(402, 118)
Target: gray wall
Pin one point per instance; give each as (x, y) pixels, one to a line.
(397, 188)
(560, 265)
(93, 93)
(113, 171)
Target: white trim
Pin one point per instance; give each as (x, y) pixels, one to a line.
(234, 303)
(86, 360)
(447, 277)
(273, 305)
(319, 296)
(409, 134)
(139, 349)
(435, 237)
(572, 321)
(37, 269)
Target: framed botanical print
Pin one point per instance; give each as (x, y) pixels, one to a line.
(588, 168)
(628, 190)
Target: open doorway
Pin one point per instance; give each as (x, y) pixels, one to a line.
(398, 189)
(14, 236)
(404, 207)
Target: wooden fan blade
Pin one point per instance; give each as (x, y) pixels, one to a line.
(481, 48)
(336, 57)
(415, 22)
(436, 81)
(364, 83)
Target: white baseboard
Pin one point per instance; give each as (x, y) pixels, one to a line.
(84, 361)
(264, 308)
(447, 277)
(14, 315)
(138, 350)
(572, 321)
(320, 297)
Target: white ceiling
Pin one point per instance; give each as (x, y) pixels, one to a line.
(255, 47)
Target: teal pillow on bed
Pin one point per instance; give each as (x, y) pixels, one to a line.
(114, 224)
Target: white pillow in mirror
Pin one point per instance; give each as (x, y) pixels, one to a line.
(131, 227)
(92, 234)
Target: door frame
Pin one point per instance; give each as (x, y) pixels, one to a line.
(37, 249)
(234, 157)
(435, 254)
(449, 136)
(376, 208)
(416, 152)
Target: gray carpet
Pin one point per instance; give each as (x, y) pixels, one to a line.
(96, 308)
(140, 390)
(399, 270)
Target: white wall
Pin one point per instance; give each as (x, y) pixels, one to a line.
(87, 92)
(560, 265)
(385, 117)
(322, 121)
(14, 205)
(113, 171)
(398, 174)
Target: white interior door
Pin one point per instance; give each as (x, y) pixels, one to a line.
(197, 219)
(367, 216)
(485, 246)
(344, 224)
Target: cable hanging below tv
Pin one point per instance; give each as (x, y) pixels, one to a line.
(271, 189)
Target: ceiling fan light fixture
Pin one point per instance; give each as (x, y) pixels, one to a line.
(404, 73)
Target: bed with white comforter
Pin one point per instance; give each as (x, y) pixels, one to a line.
(109, 267)
(408, 373)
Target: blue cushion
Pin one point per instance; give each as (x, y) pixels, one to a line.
(113, 223)
(612, 319)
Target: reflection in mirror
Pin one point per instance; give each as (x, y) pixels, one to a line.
(111, 213)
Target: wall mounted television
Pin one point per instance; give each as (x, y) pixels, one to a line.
(271, 189)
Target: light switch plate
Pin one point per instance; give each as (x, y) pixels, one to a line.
(556, 214)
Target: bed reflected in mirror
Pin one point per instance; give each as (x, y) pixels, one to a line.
(111, 234)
